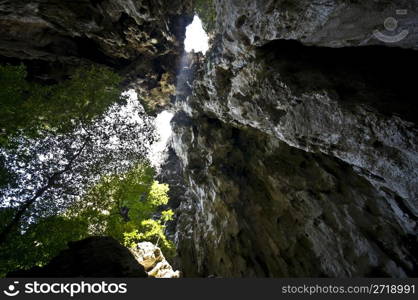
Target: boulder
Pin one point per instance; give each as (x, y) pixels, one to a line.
(92, 257)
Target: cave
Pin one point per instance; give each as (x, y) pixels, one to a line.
(291, 139)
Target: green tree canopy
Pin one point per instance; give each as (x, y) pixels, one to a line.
(73, 164)
(64, 138)
(127, 207)
(30, 108)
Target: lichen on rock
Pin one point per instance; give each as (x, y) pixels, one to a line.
(298, 144)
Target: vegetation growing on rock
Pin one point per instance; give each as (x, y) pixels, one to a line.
(73, 164)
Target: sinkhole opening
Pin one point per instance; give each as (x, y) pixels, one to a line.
(196, 37)
(163, 131)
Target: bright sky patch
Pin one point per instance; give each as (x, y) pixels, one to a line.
(164, 131)
(196, 37)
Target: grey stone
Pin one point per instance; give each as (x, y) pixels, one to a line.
(300, 151)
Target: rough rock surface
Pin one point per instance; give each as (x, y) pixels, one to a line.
(154, 262)
(298, 147)
(91, 257)
(140, 39)
(294, 152)
(333, 23)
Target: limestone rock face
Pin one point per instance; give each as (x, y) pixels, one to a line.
(332, 23)
(91, 257)
(154, 262)
(142, 40)
(298, 144)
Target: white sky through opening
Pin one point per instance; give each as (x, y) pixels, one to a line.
(196, 37)
(164, 132)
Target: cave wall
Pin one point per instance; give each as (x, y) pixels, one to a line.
(298, 144)
(141, 40)
(332, 23)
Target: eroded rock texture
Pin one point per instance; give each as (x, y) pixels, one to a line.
(152, 259)
(334, 23)
(299, 143)
(142, 40)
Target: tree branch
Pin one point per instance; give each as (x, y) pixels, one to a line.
(25, 206)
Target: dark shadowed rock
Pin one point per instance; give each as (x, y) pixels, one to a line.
(300, 150)
(91, 257)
